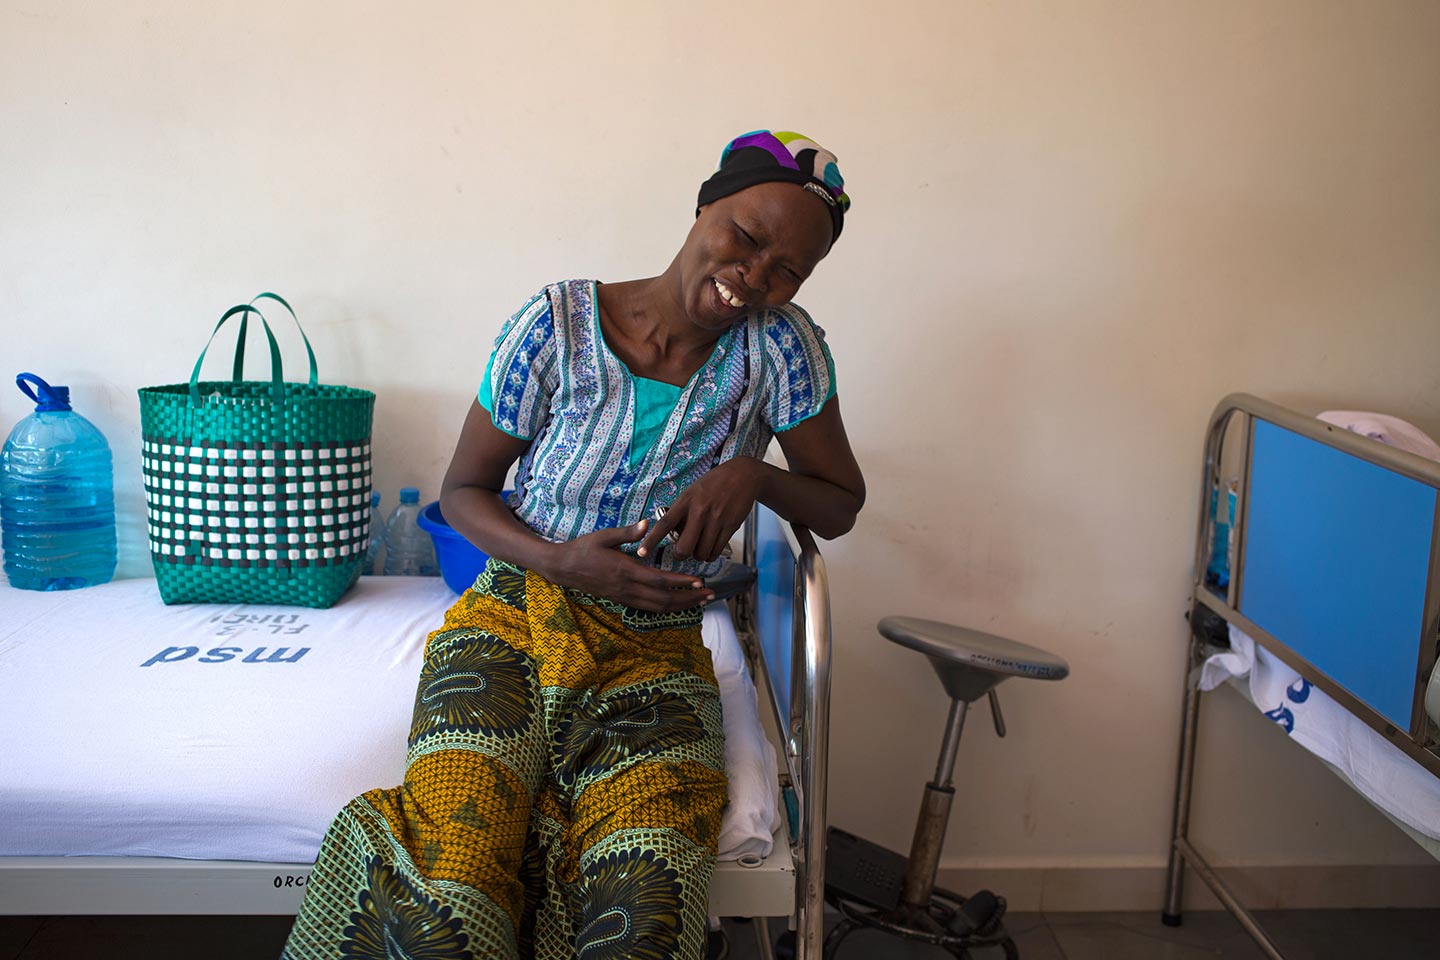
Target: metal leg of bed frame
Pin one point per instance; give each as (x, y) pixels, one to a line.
(1223, 894)
(1181, 851)
(1184, 786)
(764, 943)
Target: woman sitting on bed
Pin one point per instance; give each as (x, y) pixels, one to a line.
(564, 777)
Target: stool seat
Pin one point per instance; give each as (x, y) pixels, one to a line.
(968, 662)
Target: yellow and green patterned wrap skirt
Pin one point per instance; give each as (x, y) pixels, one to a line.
(562, 794)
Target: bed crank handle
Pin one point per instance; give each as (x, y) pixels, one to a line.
(995, 713)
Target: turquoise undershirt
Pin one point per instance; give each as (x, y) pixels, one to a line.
(654, 402)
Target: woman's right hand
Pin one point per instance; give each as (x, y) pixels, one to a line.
(595, 564)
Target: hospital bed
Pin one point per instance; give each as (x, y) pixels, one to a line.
(87, 836)
(1323, 609)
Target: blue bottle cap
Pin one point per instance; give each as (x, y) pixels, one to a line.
(375, 498)
(49, 399)
(409, 494)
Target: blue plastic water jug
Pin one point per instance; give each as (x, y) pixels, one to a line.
(57, 496)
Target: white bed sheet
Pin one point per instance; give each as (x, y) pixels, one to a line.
(128, 728)
(1401, 788)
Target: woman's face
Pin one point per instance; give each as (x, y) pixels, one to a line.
(750, 250)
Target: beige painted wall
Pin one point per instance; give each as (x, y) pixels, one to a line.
(1076, 226)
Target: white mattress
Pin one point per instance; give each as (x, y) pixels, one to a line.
(1376, 768)
(128, 728)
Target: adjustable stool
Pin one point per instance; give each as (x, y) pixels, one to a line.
(873, 887)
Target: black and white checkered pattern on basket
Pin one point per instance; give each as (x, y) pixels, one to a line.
(256, 504)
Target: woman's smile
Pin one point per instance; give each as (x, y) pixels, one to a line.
(728, 295)
(726, 304)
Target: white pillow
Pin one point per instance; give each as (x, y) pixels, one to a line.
(749, 822)
(1388, 430)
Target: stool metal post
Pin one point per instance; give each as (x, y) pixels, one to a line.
(950, 746)
(924, 861)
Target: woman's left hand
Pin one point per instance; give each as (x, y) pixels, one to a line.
(709, 512)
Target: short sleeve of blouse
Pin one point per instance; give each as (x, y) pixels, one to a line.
(522, 374)
(800, 373)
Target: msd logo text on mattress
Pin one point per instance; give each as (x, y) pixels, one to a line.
(222, 654)
(235, 625)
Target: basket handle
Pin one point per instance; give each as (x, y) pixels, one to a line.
(277, 373)
(277, 377)
(239, 368)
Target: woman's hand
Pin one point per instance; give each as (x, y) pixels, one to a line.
(596, 564)
(822, 489)
(708, 513)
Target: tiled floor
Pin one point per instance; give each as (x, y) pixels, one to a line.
(1302, 934)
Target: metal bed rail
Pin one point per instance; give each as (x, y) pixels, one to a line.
(800, 700)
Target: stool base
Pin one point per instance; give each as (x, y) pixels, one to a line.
(864, 883)
(945, 923)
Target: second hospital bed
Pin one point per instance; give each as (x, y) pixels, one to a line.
(276, 732)
(1323, 609)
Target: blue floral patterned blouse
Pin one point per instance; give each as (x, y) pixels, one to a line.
(556, 382)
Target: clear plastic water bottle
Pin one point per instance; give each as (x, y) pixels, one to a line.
(377, 537)
(409, 551)
(57, 496)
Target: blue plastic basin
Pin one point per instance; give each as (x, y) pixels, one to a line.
(460, 560)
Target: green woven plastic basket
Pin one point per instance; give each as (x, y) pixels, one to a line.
(256, 492)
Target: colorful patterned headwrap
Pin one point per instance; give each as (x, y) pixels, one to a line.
(761, 157)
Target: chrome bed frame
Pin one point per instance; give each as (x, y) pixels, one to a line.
(791, 669)
(1421, 741)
